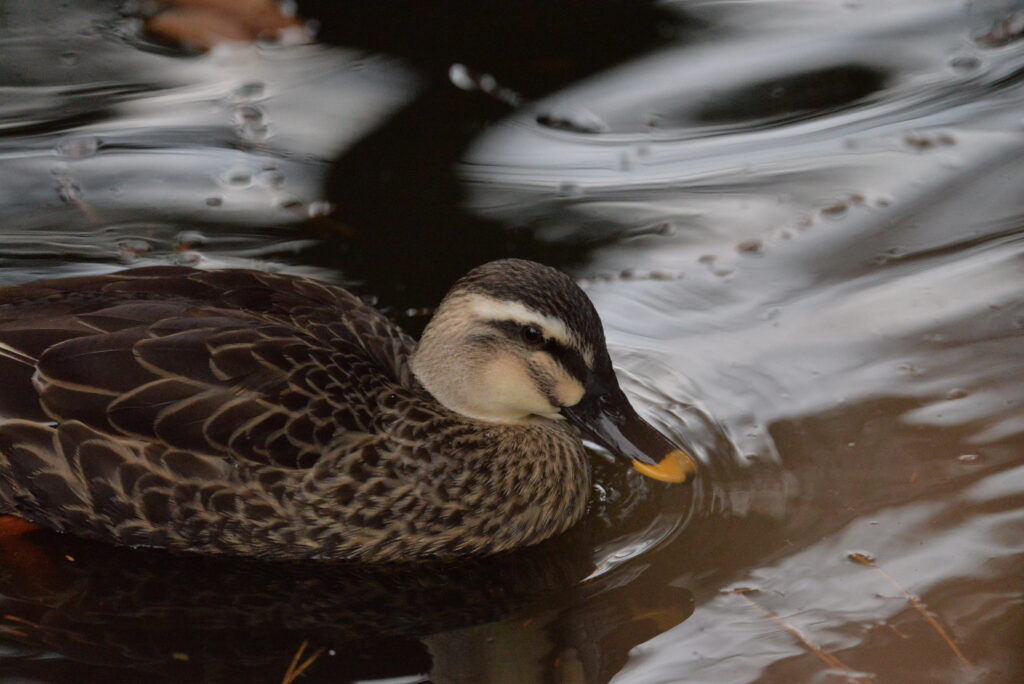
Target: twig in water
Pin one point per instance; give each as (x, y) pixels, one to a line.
(827, 658)
(296, 668)
(916, 602)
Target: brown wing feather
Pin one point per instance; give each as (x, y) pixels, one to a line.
(246, 412)
(236, 364)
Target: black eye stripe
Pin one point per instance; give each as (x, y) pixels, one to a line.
(570, 359)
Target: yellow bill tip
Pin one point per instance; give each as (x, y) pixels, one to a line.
(676, 466)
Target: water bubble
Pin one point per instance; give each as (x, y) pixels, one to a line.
(969, 458)
(214, 201)
(236, 178)
(835, 210)
(918, 141)
(78, 147)
(925, 141)
(129, 249)
(270, 178)
(460, 77)
(575, 121)
(964, 63)
(254, 132)
(488, 83)
(910, 369)
(890, 255)
(188, 258)
(248, 92)
(464, 78)
(751, 246)
(652, 120)
(956, 393)
(187, 239)
(319, 208)
(249, 114)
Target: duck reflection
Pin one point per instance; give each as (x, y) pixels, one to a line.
(125, 613)
(538, 614)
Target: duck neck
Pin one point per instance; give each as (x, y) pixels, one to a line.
(535, 481)
(455, 379)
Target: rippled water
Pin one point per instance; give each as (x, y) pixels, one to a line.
(802, 224)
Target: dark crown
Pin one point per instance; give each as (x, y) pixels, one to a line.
(543, 289)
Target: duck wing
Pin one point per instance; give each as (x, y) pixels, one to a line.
(240, 365)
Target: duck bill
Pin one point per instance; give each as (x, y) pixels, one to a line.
(610, 420)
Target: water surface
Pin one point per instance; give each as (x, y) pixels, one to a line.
(802, 224)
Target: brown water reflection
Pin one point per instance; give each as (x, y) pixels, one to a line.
(802, 224)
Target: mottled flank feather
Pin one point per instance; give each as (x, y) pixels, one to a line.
(248, 413)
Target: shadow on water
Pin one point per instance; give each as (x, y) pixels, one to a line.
(397, 188)
(801, 224)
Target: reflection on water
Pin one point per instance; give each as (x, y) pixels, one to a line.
(802, 225)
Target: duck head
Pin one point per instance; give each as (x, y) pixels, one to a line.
(517, 342)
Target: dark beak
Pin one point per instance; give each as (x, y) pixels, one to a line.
(608, 419)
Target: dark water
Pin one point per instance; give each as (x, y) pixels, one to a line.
(802, 224)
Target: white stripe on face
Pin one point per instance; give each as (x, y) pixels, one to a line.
(490, 308)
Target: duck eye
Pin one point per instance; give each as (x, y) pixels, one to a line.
(532, 335)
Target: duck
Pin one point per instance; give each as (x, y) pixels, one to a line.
(247, 413)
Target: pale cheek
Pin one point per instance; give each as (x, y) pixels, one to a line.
(511, 392)
(568, 391)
